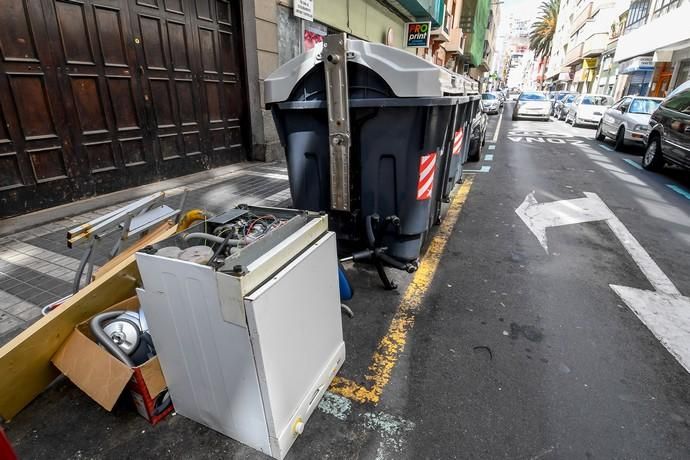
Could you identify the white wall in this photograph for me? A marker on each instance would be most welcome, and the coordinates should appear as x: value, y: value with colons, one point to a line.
x: 658, y: 33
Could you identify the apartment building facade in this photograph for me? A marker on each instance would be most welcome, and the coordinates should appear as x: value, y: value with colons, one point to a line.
x: 516, y: 52
x: 589, y: 37
x: 653, y: 51
x: 558, y: 76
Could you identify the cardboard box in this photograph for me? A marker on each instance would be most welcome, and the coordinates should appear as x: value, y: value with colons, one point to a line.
x: 104, y: 377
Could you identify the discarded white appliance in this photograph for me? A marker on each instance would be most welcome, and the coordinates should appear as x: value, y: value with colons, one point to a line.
x: 249, y: 340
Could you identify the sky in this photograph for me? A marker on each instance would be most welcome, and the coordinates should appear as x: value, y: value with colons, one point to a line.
x: 520, y: 8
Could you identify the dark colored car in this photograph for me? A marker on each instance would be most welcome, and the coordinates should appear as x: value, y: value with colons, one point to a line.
x: 668, y: 138
x: 560, y: 108
x: 556, y: 98
x: 477, y: 136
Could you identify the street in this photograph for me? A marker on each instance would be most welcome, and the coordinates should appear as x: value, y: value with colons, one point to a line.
x: 511, y: 341
x: 335, y: 229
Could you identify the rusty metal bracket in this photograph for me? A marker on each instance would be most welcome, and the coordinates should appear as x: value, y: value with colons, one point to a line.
x: 334, y: 57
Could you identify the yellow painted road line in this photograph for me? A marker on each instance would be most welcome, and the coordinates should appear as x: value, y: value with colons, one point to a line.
x: 393, y: 343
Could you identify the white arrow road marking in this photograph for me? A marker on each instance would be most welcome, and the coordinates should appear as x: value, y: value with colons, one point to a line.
x: 539, y: 216
x: 666, y: 315
x: 665, y: 311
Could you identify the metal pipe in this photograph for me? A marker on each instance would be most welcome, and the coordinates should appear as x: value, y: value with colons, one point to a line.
x: 76, y: 284
x: 209, y: 237
x: 97, y: 331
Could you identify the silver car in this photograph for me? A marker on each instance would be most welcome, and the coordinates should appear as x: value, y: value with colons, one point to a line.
x: 627, y: 121
x: 490, y: 103
x: 532, y: 104
x: 588, y: 109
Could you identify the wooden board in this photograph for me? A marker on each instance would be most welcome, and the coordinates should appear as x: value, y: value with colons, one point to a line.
x: 25, y: 367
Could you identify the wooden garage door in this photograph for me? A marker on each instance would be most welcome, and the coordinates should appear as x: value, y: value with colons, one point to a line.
x: 101, y: 95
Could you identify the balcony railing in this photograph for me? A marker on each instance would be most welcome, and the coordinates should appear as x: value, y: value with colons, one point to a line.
x: 637, y: 14
x: 454, y: 44
x: 442, y: 33
x: 582, y: 16
x: 574, y: 55
x: 664, y: 6
x: 595, y: 45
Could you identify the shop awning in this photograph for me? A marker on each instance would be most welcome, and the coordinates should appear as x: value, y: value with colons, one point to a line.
x: 638, y: 64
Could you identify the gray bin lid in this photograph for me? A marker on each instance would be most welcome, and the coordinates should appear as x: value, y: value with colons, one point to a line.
x: 406, y: 74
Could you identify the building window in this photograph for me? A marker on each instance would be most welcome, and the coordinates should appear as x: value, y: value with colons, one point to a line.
x: 637, y: 14
x: 664, y: 6
x: 683, y: 73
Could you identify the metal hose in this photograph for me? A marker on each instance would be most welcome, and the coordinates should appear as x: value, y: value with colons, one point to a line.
x: 209, y: 237
x: 97, y: 331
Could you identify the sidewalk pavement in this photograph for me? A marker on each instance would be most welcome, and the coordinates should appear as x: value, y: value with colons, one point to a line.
x: 37, y: 267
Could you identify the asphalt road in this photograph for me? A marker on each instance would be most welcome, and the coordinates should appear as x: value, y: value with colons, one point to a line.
x: 514, y: 353
x: 523, y: 354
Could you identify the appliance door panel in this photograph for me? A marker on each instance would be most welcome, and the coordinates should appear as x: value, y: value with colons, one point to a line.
x: 296, y: 332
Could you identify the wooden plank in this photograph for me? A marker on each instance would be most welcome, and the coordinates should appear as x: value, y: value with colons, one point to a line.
x: 25, y: 367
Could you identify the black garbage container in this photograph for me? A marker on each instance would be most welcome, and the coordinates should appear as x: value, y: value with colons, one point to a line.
x: 473, y: 109
x: 400, y: 123
x: 456, y: 146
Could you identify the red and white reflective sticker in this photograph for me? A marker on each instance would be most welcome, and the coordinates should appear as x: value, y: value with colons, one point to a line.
x: 457, y: 141
x: 427, y: 168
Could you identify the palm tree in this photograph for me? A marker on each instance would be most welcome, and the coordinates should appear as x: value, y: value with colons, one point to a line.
x: 541, y: 35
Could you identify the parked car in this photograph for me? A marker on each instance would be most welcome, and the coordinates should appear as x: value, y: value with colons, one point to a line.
x: 557, y: 101
x: 532, y: 104
x: 501, y: 97
x: 627, y: 120
x: 490, y: 103
x: 668, y: 138
x: 477, y: 135
x: 562, y: 106
x: 587, y: 109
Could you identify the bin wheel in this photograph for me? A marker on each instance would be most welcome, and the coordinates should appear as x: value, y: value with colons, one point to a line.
x: 475, y: 151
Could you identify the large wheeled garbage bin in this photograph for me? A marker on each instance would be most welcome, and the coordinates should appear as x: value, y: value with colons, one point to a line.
x: 455, y: 142
x: 458, y: 141
x: 471, y: 89
x: 364, y: 128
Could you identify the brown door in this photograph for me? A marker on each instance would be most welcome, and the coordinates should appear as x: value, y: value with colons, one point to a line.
x: 188, y: 52
x: 115, y: 93
x: 216, y: 28
x: 96, y: 70
x: 37, y: 166
x: 662, y: 81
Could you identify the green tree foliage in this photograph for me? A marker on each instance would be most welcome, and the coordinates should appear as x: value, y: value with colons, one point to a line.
x: 543, y: 29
